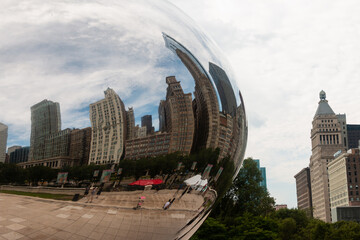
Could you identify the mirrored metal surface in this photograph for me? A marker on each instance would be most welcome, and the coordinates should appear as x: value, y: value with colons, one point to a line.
x: 134, y: 86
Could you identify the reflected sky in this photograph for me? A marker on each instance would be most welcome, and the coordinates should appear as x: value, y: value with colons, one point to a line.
x: 71, y: 52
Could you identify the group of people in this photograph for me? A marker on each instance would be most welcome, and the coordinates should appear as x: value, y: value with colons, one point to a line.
x: 92, y: 190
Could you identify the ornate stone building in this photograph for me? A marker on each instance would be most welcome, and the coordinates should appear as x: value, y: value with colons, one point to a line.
x: 328, y: 136
x: 108, y: 122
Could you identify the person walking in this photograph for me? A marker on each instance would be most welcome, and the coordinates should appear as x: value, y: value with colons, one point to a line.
x: 93, y: 192
x: 87, y: 189
x: 99, y: 192
x: 167, y: 204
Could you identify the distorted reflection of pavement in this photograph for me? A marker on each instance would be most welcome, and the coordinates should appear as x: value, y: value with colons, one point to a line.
x: 111, y: 216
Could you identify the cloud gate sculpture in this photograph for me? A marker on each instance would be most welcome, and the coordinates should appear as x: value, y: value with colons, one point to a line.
x: 156, y: 97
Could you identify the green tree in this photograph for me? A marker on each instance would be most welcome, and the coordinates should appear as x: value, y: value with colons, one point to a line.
x: 245, y: 194
x: 212, y: 229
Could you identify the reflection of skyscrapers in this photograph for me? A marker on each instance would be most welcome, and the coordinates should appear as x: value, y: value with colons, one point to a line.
x: 45, y: 120
x: 108, y: 121
x: 176, y: 126
x: 146, y: 121
x: 206, y: 106
x: 225, y: 135
x: 12, y: 149
x: 3, y: 141
x: 179, y: 118
x: 224, y: 88
x: 19, y: 155
x: 80, y: 145
x: 130, y: 123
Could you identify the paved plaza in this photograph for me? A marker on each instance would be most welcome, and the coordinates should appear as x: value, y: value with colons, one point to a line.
x: 111, y: 216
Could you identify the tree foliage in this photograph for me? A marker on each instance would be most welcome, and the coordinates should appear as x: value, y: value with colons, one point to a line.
x: 246, y: 212
x: 245, y: 195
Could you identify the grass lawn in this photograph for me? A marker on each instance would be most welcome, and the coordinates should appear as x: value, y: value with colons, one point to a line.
x: 40, y: 195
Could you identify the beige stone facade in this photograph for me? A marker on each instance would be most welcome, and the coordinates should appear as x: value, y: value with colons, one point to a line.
x: 343, y: 179
x: 338, y: 184
x: 108, y: 122
x: 326, y: 139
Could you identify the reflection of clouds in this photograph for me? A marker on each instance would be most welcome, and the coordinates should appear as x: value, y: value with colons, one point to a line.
x: 70, y: 52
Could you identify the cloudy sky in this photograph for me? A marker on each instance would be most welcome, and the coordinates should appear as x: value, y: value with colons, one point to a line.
x: 283, y: 53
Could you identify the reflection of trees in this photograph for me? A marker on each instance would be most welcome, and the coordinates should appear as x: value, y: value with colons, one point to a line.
x: 167, y: 164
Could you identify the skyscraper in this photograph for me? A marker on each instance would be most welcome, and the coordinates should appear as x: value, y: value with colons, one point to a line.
x: 179, y: 117
x: 146, y: 121
x: 224, y: 88
x: 263, y: 173
x: 3, y: 141
x: 45, y: 120
x: 108, y: 122
x: 19, y: 155
x: 303, y: 190
x: 328, y: 135
x: 205, y: 105
x: 353, y: 135
x: 130, y: 123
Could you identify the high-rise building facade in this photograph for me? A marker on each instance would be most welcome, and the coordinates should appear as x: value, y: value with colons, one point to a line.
x: 3, y: 141
x: 108, y: 122
x: 328, y: 135
x: 179, y: 117
x: 303, y: 190
x: 79, y: 148
x: 205, y: 104
x: 146, y: 121
x: 263, y: 173
x: 343, y: 174
x: 12, y: 149
x: 226, y: 129
x: 45, y: 120
x: 226, y: 92
x: 353, y: 135
x: 130, y: 123
x: 19, y: 155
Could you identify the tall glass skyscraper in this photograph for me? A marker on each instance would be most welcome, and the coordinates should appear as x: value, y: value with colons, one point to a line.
x: 45, y: 120
x: 263, y: 173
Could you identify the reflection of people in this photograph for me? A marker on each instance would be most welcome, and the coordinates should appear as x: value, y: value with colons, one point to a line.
x: 87, y: 189
x: 99, y: 192
x: 93, y: 191
x: 139, y: 203
x: 167, y: 204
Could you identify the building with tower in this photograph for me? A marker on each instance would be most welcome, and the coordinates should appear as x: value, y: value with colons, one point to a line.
x: 3, y: 141
x: 45, y: 120
x: 328, y: 136
x: 108, y: 123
